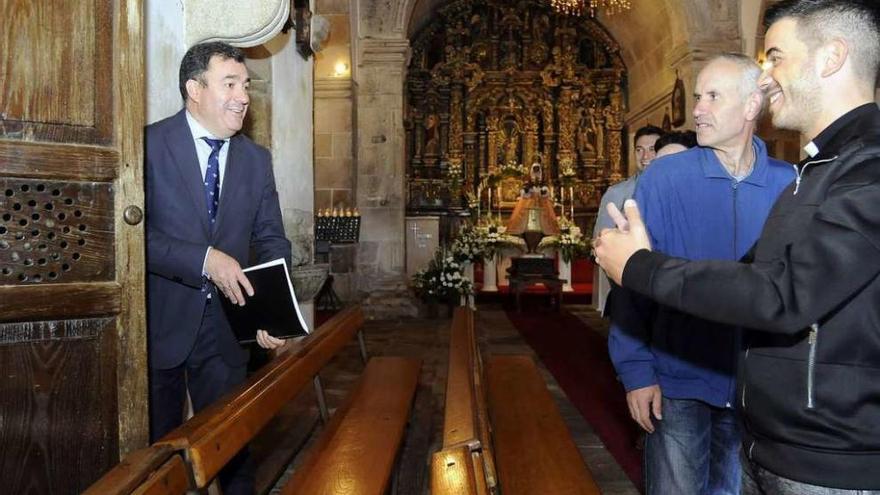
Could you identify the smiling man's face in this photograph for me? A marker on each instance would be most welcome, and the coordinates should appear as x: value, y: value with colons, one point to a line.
x: 219, y: 100
x: 789, y: 82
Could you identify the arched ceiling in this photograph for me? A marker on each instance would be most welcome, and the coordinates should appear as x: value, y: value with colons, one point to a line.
x: 422, y: 11
x: 650, y: 23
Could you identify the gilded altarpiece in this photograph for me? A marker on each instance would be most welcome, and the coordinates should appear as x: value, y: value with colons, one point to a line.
x: 499, y: 83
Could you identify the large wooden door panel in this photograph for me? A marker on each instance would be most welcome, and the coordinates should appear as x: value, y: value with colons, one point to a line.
x: 56, y: 67
x: 58, y: 380
x: 72, y: 325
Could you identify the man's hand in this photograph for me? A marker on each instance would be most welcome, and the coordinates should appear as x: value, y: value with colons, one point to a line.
x: 226, y: 274
x: 642, y: 402
x: 614, y: 247
x: 267, y: 341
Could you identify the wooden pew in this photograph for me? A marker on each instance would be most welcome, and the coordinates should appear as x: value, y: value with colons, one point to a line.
x: 456, y: 470
x: 358, y: 446
x: 356, y: 452
x: 516, y: 428
x: 467, y: 443
x: 533, y: 447
x: 216, y: 434
x: 154, y: 470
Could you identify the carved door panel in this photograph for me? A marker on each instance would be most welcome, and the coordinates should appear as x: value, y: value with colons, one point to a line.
x: 72, y: 331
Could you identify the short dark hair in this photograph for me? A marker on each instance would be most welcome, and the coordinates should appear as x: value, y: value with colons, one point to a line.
x: 197, y: 58
x: 648, y: 130
x: 856, y: 21
x: 688, y: 139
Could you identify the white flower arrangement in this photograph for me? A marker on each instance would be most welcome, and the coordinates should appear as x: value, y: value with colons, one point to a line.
x: 570, y: 243
x: 496, y: 239
x: 469, y: 246
x: 454, y: 168
x: 442, y: 279
x: 512, y: 169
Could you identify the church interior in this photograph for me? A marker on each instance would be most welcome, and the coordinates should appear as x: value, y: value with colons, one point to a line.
x: 439, y: 165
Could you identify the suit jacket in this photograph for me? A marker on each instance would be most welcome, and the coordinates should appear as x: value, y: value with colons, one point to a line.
x: 179, y: 233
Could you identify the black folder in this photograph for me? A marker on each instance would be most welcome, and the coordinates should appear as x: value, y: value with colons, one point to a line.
x: 272, y: 308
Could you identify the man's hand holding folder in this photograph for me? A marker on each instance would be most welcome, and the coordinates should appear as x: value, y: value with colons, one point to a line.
x: 266, y: 312
x: 229, y: 278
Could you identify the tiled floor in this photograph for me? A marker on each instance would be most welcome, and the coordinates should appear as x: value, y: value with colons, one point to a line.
x: 429, y: 340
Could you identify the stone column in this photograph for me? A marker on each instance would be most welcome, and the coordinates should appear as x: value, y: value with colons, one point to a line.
x: 380, y: 162
x: 292, y: 148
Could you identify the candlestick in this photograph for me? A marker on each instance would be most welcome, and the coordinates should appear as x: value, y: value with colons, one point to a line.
x: 562, y: 201
x: 489, y: 209
x: 571, y: 196
x: 479, y: 200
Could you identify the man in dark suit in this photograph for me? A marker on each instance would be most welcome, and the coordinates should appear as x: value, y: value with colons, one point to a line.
x: 211, y: 201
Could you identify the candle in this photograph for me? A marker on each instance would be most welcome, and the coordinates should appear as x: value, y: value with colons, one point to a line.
x: 490, y: 204
x: 571, y: 197
x: 562, y: 201
x: 479, y: 200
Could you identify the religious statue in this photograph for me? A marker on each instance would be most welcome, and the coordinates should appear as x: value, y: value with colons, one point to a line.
x: 614, y: 111
x: 432, y: 136
x: 586, y: 134
x: 509, y: 139
x: 536, y: 172
x: 534, y: 206
x: 598, y: 130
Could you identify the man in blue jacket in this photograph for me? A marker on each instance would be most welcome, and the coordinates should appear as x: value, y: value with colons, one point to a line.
x: 809, y: 386
x: 707, y: 202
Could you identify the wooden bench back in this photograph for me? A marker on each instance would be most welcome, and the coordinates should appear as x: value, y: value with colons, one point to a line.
x: 460, y: 414
x: 213, y: 436
x: 458, y: 471
x: 154, y: 470
x: 466, y: 417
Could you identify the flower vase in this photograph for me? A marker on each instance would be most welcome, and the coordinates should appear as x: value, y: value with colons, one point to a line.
x: 490, y: 276
x: 565, y: 274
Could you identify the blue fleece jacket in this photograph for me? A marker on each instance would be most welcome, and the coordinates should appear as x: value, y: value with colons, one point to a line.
x: 693, y: 209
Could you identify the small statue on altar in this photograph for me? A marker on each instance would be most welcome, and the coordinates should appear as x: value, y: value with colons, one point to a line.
x: 534, y: 197
x: 535, y: 187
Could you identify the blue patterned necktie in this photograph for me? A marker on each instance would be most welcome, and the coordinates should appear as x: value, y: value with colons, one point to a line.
x: 212, y: 177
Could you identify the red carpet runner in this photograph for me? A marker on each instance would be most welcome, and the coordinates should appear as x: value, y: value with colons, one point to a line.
x: 578, y: 358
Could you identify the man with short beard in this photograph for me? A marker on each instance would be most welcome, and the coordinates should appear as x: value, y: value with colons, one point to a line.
x: 809, y: 290
x: 643, y: 145
x: 710, y: 201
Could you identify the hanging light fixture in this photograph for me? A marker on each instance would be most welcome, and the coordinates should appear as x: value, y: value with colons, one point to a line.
x: 581, y: 7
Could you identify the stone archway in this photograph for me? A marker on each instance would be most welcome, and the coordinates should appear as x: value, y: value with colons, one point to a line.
x: 657, y: 39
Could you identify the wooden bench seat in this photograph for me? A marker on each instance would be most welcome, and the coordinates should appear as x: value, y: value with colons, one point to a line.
x: 154, y: 470
x: 216, y: 434
x: 534, y: 450
x: 356, y: 452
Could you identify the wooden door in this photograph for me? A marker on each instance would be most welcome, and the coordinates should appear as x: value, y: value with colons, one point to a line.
x: 73, y: 391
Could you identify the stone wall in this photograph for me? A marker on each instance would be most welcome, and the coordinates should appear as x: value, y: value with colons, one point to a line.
x: 165, y: 47
x: 334, y: 157
x: 662, y: 39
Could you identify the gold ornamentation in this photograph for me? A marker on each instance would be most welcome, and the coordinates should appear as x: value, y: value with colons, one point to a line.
x: 581, y: 7
x: 493, y: 82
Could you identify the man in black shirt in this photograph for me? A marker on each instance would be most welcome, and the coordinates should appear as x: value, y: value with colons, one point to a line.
x: 809, y: 290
